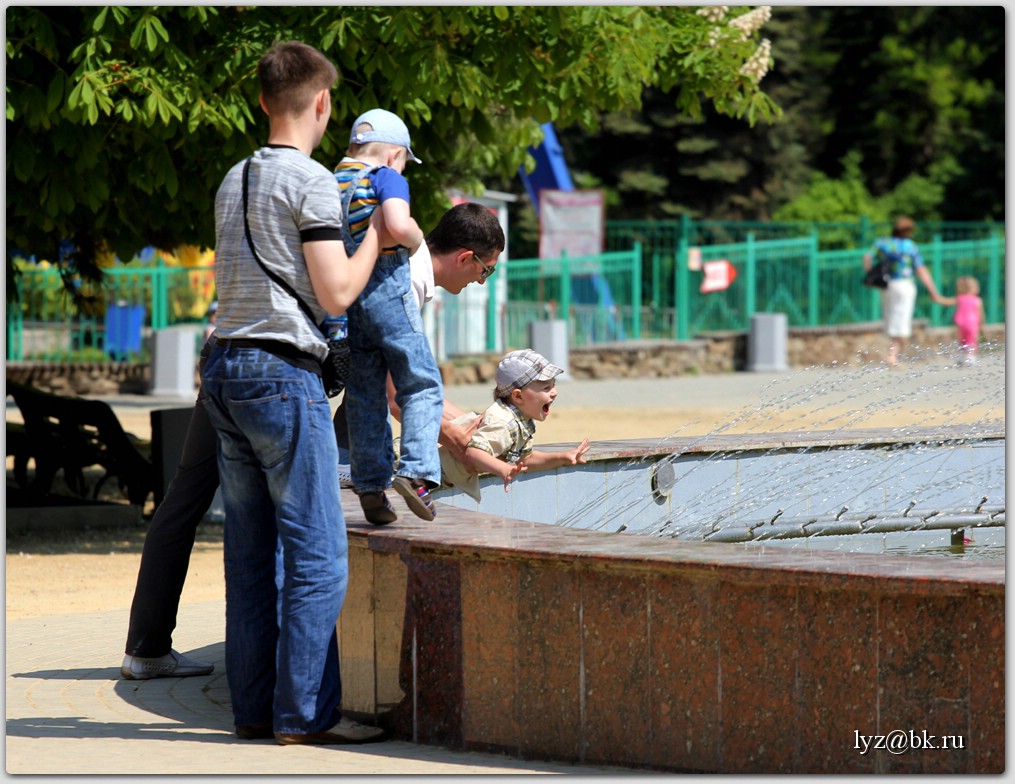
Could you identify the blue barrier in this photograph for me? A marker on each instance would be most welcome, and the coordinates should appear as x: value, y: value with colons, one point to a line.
x: 123, y: 330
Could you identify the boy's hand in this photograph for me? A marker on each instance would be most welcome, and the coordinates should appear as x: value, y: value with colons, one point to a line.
x: 513, y: 470
x: 376, y: 223
x: 578, y: 455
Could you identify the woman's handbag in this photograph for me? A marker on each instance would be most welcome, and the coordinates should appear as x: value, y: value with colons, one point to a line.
x: 877, y: 276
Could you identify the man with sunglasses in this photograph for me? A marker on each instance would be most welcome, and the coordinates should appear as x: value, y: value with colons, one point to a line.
x: 463, y: 248
x: 488, y: 270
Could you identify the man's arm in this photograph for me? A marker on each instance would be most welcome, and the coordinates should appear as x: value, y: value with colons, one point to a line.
x: 453, y: 437
x: 456, y: 438
x: 337, y: 278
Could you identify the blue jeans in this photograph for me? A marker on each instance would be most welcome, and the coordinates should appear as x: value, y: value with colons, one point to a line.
x: 277, y: 458
x: 386, y: 336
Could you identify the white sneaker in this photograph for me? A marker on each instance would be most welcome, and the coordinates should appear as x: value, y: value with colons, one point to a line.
x: 345, y: 475
x: 172, y: 665
x: 346, y: 731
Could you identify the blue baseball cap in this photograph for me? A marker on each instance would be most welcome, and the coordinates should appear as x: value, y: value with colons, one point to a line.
x: 387, y: 127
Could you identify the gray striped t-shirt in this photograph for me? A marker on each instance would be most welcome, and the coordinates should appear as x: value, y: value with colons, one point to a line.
x: 292, y: 199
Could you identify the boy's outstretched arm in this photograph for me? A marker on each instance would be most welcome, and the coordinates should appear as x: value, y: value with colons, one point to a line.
x: 484, y: 461
x: 538, y: 461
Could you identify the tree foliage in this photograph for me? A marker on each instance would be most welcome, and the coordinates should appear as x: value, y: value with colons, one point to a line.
x: 919, y: 89
x: 903, y: 102
x: 122, y: 120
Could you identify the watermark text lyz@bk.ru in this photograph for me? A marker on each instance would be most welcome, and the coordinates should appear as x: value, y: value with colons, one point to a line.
x: 901, y: 741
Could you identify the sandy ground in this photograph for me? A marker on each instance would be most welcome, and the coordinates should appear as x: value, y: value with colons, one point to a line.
x: 88, y: 571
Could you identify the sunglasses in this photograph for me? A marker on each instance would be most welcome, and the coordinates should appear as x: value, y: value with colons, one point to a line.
x: 487, y: 269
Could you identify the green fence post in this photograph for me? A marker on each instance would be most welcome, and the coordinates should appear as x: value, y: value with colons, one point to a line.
x: 813, y: 280
x: 681, y: 294
x: 994, y: 293
x: 15, y: 331
x: 636, y: 292
x: 491, y: 313
x: 160, y: 296
x: 656, y: 278
x: 936, y: 313
x: 565, y: 287
x: 751, y: 278
x: 873, y: 295
x: 685, y: 230
x: 865, y: 228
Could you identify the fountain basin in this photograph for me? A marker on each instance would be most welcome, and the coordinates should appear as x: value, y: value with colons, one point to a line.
x: 812, y: 485
x: 486, y: 632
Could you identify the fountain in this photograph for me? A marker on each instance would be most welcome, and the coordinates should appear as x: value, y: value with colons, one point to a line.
x: 705, y: 603
x: 831, y: 483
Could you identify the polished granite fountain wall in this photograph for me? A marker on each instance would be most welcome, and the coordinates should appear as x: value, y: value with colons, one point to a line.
x: 484, y: 632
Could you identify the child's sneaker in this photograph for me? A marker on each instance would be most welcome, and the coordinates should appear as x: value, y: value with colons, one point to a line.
x: 377, y: 508
x: 344, y: 476
x: 416, y: 495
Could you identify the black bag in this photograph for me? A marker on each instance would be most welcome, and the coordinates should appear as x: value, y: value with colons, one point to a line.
x: 877, y: 276
x: 335, y: 368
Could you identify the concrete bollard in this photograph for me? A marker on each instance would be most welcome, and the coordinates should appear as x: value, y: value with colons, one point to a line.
x: 766, y: 343
x: 174, y: 358
x: 549, y: 338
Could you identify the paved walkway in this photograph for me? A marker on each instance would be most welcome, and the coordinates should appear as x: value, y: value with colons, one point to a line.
x: 68, y: 712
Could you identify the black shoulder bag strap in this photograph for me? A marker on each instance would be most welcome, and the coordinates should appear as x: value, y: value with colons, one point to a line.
x: 347, y: 196
x: 279, y: 280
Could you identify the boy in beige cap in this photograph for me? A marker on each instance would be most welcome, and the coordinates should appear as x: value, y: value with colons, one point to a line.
x: 502, y: 445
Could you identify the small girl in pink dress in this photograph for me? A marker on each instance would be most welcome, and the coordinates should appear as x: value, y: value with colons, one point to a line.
x: 968, y: 317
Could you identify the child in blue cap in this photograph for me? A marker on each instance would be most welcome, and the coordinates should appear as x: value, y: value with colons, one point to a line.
x: 386, y: 338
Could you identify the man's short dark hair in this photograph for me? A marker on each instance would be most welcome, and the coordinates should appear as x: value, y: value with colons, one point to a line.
x: 290, y: 74
x: 469, y: 225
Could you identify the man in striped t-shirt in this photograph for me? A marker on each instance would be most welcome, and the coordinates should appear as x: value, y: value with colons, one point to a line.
x: 280, y: 269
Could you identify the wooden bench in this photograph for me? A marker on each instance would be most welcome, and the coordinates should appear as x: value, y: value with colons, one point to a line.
x: 72, y: 434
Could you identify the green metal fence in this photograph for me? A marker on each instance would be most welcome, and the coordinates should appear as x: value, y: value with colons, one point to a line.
x: 604, y: 297
x: 663, y: 241
x: 44, y: 325
x: 666, y: 236
x: 600, y: 295
x: 824, y: 287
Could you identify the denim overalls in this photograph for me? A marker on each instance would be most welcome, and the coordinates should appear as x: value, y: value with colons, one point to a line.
x: 386, y: 336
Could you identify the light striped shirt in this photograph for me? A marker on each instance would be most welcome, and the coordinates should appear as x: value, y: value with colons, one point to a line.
x: 292, y: 199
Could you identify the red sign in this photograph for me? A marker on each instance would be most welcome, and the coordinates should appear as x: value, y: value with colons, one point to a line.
x: 718, y: 275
